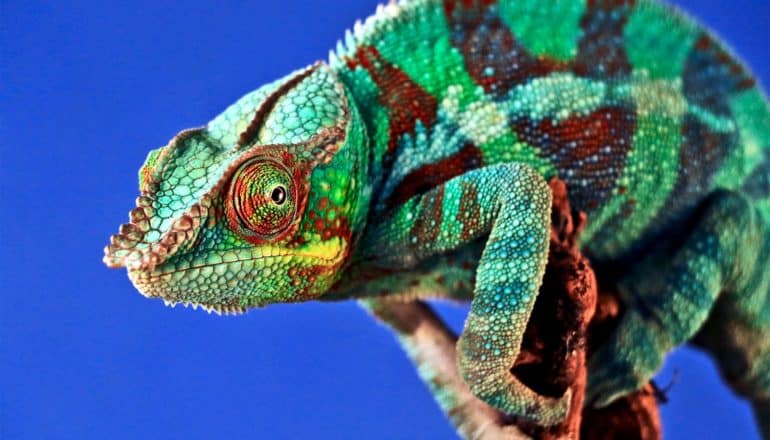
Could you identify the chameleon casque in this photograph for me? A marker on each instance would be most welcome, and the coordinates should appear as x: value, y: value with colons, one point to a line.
x: 414, y: 164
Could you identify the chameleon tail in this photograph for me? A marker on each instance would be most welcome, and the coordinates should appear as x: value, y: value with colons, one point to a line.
x: 736, y: 333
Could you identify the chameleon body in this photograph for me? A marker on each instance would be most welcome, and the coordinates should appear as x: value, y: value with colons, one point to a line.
x: 414, y: 164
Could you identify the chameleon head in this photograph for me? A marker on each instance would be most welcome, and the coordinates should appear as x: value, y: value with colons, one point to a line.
x: 257, y: 207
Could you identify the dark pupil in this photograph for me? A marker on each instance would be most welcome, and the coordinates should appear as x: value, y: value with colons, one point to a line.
x: 278, y: 195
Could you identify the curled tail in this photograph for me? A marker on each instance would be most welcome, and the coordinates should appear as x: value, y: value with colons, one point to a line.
x: 737, y: 332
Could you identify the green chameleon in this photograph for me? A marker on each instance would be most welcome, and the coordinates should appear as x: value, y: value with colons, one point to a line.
x: 414, y: 164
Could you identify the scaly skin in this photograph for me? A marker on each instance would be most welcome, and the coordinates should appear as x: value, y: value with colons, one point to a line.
x: 414, y: 164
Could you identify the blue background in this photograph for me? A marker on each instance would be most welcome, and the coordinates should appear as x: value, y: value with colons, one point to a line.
x: 87, y: 89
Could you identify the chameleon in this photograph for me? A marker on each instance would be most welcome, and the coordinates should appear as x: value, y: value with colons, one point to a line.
x: 413, y: 164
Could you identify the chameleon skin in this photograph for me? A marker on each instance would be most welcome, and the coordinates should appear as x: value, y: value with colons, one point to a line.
x: 414, y: 163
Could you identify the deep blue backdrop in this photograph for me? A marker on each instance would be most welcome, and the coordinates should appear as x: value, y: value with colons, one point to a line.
x: 86, y: 90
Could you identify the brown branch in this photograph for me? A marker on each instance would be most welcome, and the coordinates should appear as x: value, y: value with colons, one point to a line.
x: 553, y: 353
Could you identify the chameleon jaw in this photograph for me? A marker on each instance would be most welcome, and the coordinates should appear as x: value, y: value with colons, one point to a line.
x: 233, y: 281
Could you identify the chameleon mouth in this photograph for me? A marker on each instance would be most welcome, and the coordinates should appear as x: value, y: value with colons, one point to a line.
x: 230, y: 282
x: 140, y: 244
x: 218, y: 309
x: 203, y: 286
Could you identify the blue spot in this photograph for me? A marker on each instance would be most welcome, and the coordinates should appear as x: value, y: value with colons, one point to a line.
x: 530, y: 239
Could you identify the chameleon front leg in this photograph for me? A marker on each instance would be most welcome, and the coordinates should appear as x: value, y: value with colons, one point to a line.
x: 511, y: 204
x: 671, y: 295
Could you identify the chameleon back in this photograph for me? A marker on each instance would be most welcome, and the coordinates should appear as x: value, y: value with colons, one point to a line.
x: 639, y: 109
x: 661, y: 135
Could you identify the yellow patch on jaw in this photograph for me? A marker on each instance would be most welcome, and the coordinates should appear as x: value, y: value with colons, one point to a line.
x: 329, y: 252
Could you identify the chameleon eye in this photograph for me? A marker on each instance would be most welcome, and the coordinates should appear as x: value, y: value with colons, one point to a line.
x: 261, y: 199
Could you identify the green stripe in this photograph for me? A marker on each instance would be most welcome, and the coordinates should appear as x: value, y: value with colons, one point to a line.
x: 650, y: 171
x: 546, y: 28
x: 659, y: 39
x: 421, y: 47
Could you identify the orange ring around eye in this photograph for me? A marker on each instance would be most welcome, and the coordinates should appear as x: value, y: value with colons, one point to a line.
x: 250, y: 205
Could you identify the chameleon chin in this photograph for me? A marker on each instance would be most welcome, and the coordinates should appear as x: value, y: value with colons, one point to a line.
x: 431, y: 131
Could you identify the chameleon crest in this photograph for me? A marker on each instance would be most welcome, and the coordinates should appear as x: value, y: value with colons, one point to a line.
x: 226, y: 218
